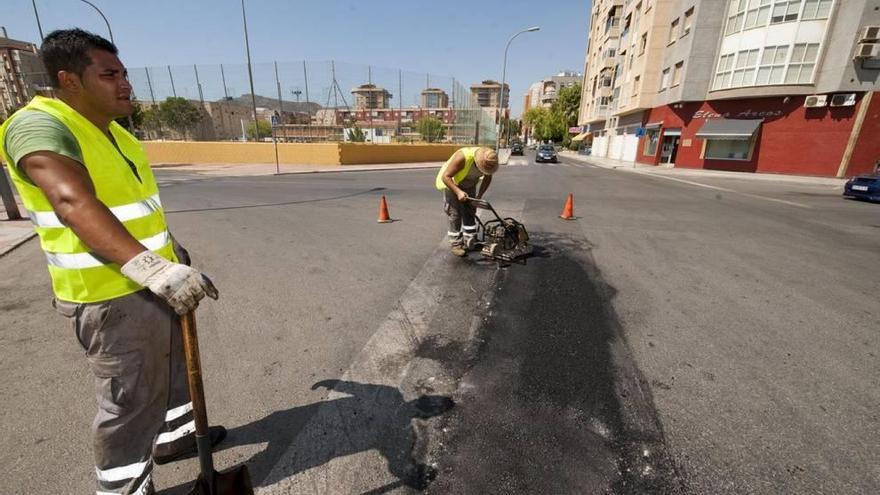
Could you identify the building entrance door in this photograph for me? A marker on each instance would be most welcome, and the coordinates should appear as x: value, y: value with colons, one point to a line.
x: 669, y: 148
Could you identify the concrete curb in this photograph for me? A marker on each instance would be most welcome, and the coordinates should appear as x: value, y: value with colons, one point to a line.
x: 706, y: 174
x: 16, y: 243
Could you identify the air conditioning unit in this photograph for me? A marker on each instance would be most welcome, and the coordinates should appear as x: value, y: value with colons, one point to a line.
x: 816, y: 101
x: 843, y: 100
x: 868, y: 50
x: 870, y: 34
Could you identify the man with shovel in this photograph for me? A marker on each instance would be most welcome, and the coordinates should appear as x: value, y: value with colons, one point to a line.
x: 458, y: 179
x: 116, y: 271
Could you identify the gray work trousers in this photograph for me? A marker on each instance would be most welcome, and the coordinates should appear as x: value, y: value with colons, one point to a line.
x: 134, y: 348
x: 462, y: 218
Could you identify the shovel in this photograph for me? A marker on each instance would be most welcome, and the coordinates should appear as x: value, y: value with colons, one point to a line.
x: 235, y: 480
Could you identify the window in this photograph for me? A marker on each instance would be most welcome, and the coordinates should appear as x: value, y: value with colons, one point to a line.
x: 673, y: 31
x: 757, y: 13
x: 664, y: 79
x: 817, y: 9
x: 636, y: 82
x: 785, y: 11
x: 643, y: 44
x: 688, y: 20
x: 803, y: 61
x: 735, y: 16
x: 652, y: 138
x: 631, y: 57
x: 722, y: 75
x: 728, y: 149
x: 744, y: 70
x: 772, y: 65
x: 676, y: 73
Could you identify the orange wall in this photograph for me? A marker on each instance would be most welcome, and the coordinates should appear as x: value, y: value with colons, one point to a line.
x: 187, y: 152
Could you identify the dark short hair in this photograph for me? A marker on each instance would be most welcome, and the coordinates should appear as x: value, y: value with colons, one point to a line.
x: 67, y: 49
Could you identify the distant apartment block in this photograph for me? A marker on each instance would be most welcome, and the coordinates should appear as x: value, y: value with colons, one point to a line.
x: 746, y: 85
x: 371, y: 96
x: 434, y: 98
x: 486, y: 94
x: 22, y: 75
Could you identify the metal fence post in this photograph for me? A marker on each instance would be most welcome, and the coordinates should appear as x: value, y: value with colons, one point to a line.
x: 9, y: 203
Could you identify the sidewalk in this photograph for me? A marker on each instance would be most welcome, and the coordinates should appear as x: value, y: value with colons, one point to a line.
x: 697, y: 172
x: 14, y: 233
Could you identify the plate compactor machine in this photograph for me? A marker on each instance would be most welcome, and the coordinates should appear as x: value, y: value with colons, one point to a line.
x: 501, y: 239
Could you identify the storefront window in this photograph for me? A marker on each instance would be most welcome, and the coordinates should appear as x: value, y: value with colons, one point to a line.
x: 652, y: 138
x: 728, y: 149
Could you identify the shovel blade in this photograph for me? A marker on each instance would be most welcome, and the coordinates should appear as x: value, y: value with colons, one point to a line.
x: 233, y: 481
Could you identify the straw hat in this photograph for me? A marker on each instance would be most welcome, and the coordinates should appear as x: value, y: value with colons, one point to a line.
x: 487, y: 160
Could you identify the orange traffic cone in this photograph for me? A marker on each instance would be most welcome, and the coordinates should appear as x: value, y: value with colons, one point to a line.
x: 568, y: 211
x: 383, y: 211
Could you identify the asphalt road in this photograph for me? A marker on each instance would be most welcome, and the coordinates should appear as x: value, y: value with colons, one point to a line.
x: 695, y: 335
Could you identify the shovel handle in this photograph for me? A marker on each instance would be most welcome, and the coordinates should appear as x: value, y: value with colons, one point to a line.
x: 197, y: 393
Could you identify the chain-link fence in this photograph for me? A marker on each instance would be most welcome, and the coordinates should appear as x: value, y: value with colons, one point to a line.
x: 306, y: 102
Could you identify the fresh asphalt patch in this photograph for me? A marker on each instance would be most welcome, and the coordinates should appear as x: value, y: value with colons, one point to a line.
x: 553, y: 401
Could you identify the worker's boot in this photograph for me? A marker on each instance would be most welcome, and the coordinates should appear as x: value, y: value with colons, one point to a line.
x: 459, y: 250
x: 185, y: 447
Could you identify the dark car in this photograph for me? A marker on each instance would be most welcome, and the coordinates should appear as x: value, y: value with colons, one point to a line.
x: 546, y: 153
x: 863, y: 187
x: 516, y: 149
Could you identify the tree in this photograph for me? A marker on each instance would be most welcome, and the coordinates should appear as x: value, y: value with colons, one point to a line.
x: 568, y: 104
x: 136, y: 118
x: 510, y: 129
x: 537, y: 118
x: 356, y: 134
x: 431, y: 129
x: 151, y: 120
x: 180, y: 114
x: 261, y: 130
x: 566, y: 108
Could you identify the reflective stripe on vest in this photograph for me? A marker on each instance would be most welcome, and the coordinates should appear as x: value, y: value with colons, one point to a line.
x: 79, y: 275
x: 469, y: 154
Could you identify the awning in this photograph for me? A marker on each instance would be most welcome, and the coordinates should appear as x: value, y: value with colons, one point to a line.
x: 672, y: 131
x: 582, y: 136
x: 654, y: 125
x: 729, y: 129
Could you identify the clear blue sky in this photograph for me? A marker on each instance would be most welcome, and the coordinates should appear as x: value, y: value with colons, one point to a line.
x: 462, y: 39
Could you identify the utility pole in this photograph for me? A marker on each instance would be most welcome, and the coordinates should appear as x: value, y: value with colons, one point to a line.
x: 308, y: 106
x: 199, y: 85
x: 223, y: 77
x: 37, y: 15
x: 170, y: 76
x: 250, y: 67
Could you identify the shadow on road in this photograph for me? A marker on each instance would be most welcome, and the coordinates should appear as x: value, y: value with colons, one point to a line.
x: 284, y: 203
x: 373, y: 417
x: 558, y: 404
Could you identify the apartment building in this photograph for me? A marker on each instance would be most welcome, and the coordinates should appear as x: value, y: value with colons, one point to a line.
x: 371, y: 96
x: 782, y: 86
x: 434, y: 98
x: 485, y: 94
x: 22, y: 75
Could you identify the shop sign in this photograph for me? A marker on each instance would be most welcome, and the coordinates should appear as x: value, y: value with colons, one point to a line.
x: 747, y: 114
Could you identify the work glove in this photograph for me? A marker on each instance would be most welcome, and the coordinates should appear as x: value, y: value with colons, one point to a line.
x: 182, y: 287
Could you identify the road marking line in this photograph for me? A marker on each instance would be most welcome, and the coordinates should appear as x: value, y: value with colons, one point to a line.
x: 724, y: 189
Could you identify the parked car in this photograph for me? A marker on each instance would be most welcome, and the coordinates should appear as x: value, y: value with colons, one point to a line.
x: 516, y: 149
x: 863, y: 187
x: 546, y: 153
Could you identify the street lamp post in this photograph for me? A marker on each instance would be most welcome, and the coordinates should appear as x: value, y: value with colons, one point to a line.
x: 102, y: 17
x: 503, y: 78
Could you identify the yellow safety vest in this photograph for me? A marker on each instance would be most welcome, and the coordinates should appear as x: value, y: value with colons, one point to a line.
x: 469, y: 154
x: 77, y: 274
